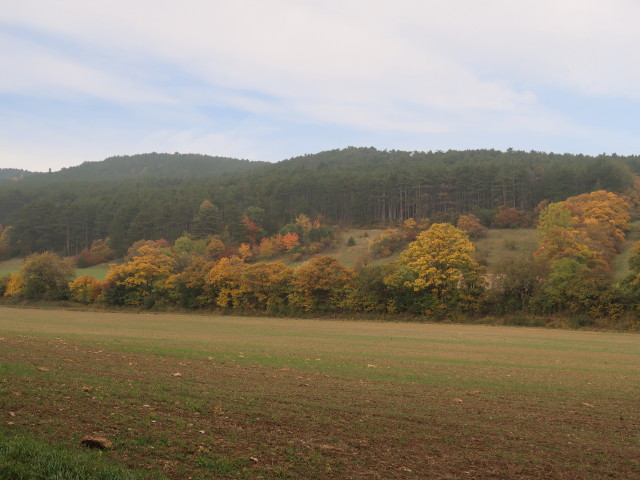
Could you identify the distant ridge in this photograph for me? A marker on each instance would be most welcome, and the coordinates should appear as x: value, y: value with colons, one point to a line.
x: 155, y: 165
x: 13, y: 173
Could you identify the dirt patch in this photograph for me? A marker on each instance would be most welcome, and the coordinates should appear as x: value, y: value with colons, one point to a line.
x: 231, y: 419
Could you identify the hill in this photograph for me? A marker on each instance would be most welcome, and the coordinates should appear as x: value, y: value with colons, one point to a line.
x: 156, y: 196
x: 13, y: 174
x: 144, y: 166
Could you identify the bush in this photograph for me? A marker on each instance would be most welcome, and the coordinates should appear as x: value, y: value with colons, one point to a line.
x: 46, y: 276
x: 85, y: 289
x: 4, y: 280
x: 387, y: 242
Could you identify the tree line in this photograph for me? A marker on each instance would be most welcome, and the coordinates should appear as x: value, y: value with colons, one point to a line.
x: 437, y: 275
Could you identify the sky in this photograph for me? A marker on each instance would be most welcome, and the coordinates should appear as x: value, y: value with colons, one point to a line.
x: 273, y: 79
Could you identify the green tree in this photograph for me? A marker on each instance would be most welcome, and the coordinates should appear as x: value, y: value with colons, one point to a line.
x: 207, y: 221
x: 46, y: 276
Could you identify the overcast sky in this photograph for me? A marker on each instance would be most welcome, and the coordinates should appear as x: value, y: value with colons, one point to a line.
x: 272, y: 79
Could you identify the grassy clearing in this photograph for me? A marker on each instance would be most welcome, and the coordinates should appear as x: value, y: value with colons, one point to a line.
x: 500, y: 245
x: 10, y: 266
x: 349, y: 255
x: 621, y: 262
x: 285, y: 398
x: 97, y: 271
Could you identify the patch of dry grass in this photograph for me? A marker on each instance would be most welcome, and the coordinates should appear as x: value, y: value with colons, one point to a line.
x: 500, y: 245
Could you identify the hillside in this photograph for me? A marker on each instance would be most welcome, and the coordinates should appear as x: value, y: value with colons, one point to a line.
x: 148, y: 166
x: 156, y: 196
x: 13, y: 174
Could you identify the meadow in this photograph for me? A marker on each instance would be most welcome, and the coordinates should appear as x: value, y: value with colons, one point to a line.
x: 188, y: 396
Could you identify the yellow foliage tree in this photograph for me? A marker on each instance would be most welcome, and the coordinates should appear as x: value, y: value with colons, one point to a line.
x: 85, y: 289
x: 439, y: 264
x: 142, y: 280
x: 266, y: 286
x: 222, y: 283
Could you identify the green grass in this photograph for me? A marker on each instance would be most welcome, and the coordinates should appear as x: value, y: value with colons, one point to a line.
x: 26, y: 458
x: 621, y: 262
x: 98, y: 272
x: 10, y: 266
x: 323, y: 399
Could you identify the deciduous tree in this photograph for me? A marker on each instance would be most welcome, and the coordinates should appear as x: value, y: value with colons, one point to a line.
x: 439, y: 264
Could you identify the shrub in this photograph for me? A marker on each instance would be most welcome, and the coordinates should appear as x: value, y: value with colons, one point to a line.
x: 85, y: 289
x: 46, y: 276
x: 387, y: 242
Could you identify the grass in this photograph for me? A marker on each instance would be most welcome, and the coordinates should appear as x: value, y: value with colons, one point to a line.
x: 10, y: 266
x: 26, y: 458
x: 348, y: 256
x: 98, y: 272
x: 621, y: 262
x: 501, y: 245
x: 286, y: 398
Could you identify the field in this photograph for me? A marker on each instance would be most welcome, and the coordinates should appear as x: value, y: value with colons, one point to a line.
x: 97, y: 271
x: 186, y: 396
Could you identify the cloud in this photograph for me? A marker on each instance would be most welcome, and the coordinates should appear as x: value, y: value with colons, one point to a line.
x: 218, y: 69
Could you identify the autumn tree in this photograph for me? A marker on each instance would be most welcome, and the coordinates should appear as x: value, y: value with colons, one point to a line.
x: 222, y: 283
x: 266, y: 286
x: 439, y: 266
x: 321, y: 285
x: 85, y: 289
x: 387, y: 242
x: 471, y: 225
x: 45, y: 276
x: 99, y: 252
x: 603, y: 217
x: 141, y: 280
x: 187, y: 286
x: 253, y: 220
x: 559, y: 237
x: 509, y: 217
x: 215, y: 248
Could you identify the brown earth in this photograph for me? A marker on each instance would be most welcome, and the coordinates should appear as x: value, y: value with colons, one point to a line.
x: 233, y: 419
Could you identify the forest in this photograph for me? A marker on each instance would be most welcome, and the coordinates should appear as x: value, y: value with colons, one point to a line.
x: 157, y: 196
x: 198, y: 232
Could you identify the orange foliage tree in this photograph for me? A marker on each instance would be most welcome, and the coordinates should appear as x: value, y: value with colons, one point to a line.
x: 509, y: 217
x: 321, y: 285
x: 471, y: 225
x: 266, y: 286
x: 141, y: 280
x: 85, y: 289
x: 222, y: 283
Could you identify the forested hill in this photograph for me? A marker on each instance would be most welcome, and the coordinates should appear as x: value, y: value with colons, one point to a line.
x: 149, y: 165
x: 13, y: 173
x: 157, y: 195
